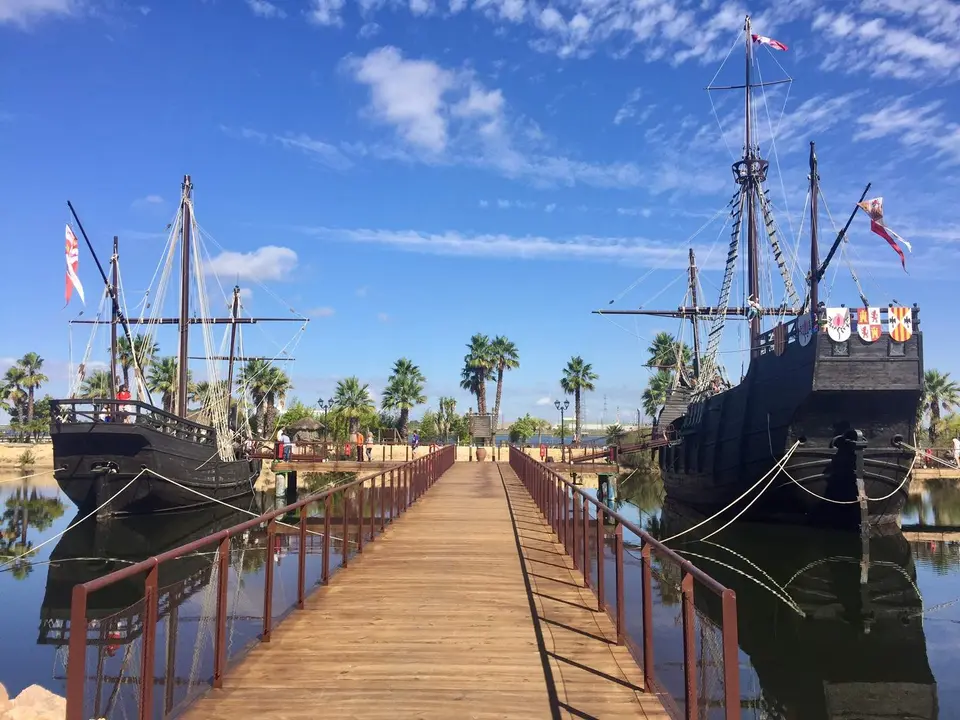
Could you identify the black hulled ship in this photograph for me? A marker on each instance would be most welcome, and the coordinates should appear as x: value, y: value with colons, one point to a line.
x: 176, y: 459
x: 839, y: 387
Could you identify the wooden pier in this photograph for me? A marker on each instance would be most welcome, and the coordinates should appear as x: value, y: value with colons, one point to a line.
x: 452, y: 614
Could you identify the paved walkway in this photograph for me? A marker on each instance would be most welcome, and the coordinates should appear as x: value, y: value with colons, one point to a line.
x: 436, y: 620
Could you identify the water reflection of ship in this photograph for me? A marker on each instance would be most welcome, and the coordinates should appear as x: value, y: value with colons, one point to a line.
x: 846, y: 640
x: 92, y: 550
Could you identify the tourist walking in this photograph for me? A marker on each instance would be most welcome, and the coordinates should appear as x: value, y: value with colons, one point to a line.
x: 287, y: 446
x: 415, y: 442
x: 369, y: 445
x: 358, y: 439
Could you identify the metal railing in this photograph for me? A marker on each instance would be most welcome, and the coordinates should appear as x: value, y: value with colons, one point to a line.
x: 566, y: 508
x: 94, y: 411
x: 407, y: 483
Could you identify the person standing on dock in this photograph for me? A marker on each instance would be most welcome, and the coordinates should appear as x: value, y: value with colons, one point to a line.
x: 358, y: 439
x: 415, y: 442
x: 369, y: 445
x: 956, y: 451
x: 287, y: 446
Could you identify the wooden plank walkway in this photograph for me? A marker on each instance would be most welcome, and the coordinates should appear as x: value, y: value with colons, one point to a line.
x: 436, y: 620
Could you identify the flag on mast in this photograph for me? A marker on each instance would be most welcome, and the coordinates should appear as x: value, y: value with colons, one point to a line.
x: 73, y: 263
x: 769, y: 42
x: 874, y: 208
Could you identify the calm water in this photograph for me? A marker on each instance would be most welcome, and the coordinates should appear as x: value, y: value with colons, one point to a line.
x: 816, y: 642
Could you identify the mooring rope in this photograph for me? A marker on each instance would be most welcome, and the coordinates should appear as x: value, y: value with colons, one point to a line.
x: 889, y: 495
x: 84, y: 518
x: 21, y: 478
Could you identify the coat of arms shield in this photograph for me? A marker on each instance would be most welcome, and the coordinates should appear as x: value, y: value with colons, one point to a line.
x: 838, y: 324
x: 869, y: 327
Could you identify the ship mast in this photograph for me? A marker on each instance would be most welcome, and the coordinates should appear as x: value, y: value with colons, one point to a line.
x: 693, y: 318
x: 234, y: 314
x: 814, y: 230
x: 114, y: 308
x: 750, y: 172
x: 182, y: 369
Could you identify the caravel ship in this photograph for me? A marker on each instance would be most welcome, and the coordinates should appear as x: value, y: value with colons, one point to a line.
x: 834, y: 390
x: 125, y: 456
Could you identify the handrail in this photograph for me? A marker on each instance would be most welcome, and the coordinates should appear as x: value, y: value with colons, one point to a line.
x: 408, y: 482
x: 566, y: 507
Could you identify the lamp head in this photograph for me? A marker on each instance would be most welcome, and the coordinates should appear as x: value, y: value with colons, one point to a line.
x: 556, y: 404
x: 566, y: 404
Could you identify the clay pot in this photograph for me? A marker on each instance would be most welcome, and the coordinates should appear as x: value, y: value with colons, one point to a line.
x: 481, y: 454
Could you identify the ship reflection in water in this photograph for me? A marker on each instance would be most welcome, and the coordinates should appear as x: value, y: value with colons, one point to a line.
x: 832, y: 623
x: 114, y: 614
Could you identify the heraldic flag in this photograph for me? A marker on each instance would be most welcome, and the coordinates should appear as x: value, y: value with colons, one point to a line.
x: 73, y: 263
x: 874, y: 208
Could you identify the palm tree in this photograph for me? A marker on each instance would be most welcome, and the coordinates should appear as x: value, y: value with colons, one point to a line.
x: 663, y: 352
x: 164, y: 379
x: 446, y: 415
x: 96, y: 385
x: 404, y: 391
x: 207, y: 393
x: 578, y: 377
x: 655, y: 395
x: 353, y: 400
x: 254, y: 379
x: 477, y: 365
x: 33, y: 378
x: 939, y: 391
x: 14, y: 396
x: 146, y: 350
x: 505, y: 357
x: 278, y: 384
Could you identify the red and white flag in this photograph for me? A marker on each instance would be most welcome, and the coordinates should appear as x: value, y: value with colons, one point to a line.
x: 874, y: 208
x: 73, y: 263
x: 764, y: 40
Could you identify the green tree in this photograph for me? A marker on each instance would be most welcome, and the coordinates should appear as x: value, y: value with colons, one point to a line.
x: 253, y: 380
x: 13, y: 396
x: 295, y: 412
x: 278, y: 384
x: 164, y: 379
x: 145, y: 348
x: 97, y: 385
x: 505, y: 357
x: 523, y: 429
x: 404, y: 391
x: 665, y: 350
x: 353, y: 400
x: 655, y: 395
x: 939, y: 392
x: 477, y: 365
x: 33, y: 378
x: 578, y: 378
x: 615, y: 434
x: 446, y: 416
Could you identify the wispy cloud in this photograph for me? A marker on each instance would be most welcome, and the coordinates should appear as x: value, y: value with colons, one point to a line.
x: 25, y: 12
x: 265, y: 263
x: 325, y: 12
x: 629, y: 107
x: 318, y: 150
x: 919, y: 127
x: 544, y: 400
x: 264, y: 9
x: 148, y: 201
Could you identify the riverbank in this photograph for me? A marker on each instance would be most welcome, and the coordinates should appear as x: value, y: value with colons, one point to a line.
x: 10, y: 454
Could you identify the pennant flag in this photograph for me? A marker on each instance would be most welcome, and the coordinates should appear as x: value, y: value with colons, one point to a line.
x: 874, y: 208
x: 73, y: 263
x: 769, y: 42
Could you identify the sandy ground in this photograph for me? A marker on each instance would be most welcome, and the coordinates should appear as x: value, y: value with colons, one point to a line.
x: 11, y: 452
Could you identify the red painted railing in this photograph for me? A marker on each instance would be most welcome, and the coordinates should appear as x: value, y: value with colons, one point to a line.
x: 406, y: 483
x: 567, y: 508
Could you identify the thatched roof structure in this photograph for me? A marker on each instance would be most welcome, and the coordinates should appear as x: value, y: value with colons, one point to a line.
x: 307, y: 424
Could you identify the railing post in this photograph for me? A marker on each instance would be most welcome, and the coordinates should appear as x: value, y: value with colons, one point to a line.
x: 573, y: 531
x: 601, y: 601
x: 689, y: 646
x: 268, y: 581
x: 360, y: 519
x: 148, y: 648
x: 646, y: 591
x: 383, y: 514
x: 373, y: 509
x: 220, y: 639
x: 327, y: 510
x: 731, y: 656
x: 302, y: 559
x: 345, y: 551
x: 77, y: 658
x: 585, y: 532
x: 618, y: 554
x: 394, y: 496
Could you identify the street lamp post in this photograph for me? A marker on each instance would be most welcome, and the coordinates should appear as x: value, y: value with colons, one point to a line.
x: 326, y: 430
x: 561, y: 406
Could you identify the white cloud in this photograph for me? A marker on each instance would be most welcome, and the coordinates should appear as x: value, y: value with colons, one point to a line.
x: 550, y: 207
x: 484, y: 203
x: 321, y: 312
x: 318, y: 150
x: 917, y: 127
x: 325, y: 12
x: 265, y: 9
x: 634, y: 212
x: 368, y: 30
x: 24, y: 12
x: 544, y: 400
x: 421, y: 7
x: 245, y: 293
x: 633, y: 250
x: 148, y: 201
x: 265, y: 263
x: 629, y: 107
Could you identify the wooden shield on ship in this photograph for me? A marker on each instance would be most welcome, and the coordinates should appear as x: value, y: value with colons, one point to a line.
x: 780, y: 339
x: 869, y: 327
x: 838, y: 324
x: 900, y: 323
x: 804, y: 329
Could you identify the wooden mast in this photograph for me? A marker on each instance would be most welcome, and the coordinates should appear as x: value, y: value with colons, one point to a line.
x: 693, y: 318
x: 114, y: 319
x: 182, y: 369
x: 750, y: 185
x: 814, y: 230
x: 234, y: 314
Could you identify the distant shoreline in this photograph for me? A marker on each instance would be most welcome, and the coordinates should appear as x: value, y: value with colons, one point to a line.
x: 10, y: 456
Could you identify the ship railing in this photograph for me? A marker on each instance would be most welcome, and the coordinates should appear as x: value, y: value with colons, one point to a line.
x: 581, y: 523
x: 102, y: 410
x: 766, y: 341
x: 366, y: 505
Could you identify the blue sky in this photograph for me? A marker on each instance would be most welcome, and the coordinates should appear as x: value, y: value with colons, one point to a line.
x: 409, y: 173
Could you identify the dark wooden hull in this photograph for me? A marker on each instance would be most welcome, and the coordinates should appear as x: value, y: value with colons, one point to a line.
x: 859, y: 650
x: 95, y: 461
x: 812, y: 394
